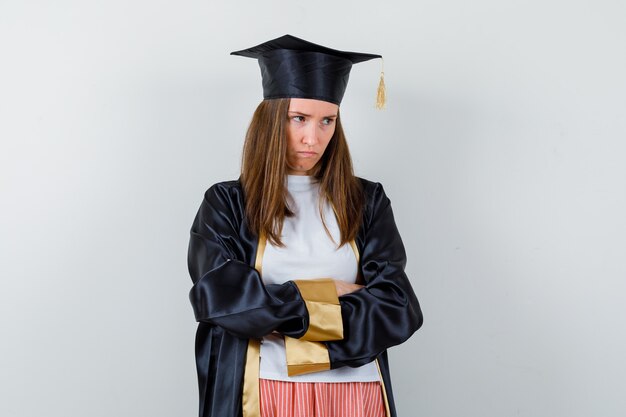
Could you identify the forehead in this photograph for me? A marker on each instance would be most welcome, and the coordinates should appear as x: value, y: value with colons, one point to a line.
x: 312, y: 106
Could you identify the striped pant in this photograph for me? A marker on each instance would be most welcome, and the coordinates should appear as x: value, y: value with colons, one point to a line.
x: 319, y: 399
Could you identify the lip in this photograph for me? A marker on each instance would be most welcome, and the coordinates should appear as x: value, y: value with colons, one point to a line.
x: 305, y: 153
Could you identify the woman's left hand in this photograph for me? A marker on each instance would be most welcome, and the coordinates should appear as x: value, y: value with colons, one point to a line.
x: 344, y: 288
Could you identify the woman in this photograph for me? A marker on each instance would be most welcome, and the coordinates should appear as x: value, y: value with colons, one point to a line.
x: 298, y: 267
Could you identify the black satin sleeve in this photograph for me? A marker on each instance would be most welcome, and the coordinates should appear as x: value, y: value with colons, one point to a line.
x: 386, y: 311
x: 227, y: 291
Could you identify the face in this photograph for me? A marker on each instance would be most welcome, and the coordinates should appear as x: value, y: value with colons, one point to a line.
x: 310, y: 126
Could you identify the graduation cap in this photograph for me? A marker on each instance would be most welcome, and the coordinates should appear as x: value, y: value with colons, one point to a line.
x: 292, y: 67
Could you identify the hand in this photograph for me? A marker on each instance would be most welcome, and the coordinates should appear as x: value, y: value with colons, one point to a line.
x: 344, y: 288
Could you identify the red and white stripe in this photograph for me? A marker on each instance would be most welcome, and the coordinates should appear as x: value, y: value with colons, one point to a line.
x: 320, y: 399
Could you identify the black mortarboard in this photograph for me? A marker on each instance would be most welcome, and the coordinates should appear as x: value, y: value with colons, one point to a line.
x: 292, y: 67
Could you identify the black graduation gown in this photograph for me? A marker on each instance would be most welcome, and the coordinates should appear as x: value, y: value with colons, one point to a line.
x: 232, y: 304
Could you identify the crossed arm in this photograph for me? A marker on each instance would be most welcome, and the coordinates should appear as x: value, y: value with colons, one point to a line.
x: 229, y: 293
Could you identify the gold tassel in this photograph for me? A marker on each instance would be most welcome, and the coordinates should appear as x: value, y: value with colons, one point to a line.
x: 381, y: 94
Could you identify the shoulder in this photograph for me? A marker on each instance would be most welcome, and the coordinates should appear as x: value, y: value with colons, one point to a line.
x: 223, y: 189
x: 373, y: 191
x: 225, y: 197
x: 222, y: 203
x: 226, y: 185
x: 377, y: 203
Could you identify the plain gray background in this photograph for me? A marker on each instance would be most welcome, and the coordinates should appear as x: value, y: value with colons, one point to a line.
x: 502, y: 150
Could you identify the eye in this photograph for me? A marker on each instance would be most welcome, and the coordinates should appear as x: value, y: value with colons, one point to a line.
x: 298, y: 119
x: 328, y: 121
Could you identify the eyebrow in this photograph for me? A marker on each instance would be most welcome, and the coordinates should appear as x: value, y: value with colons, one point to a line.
x: 331, y: 116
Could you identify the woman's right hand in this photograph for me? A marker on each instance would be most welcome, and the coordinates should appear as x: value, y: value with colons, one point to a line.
x: 344, y: 288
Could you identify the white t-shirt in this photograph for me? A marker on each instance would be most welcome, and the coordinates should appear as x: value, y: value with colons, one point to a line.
x: 308, y: 254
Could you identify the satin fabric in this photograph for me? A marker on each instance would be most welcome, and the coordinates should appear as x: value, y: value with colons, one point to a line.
x: 322, y: 305
x: 294, y: 67
x: 232, y: 304
x: 287, y: 73
x: 307, y: 354
x: 305, y: 357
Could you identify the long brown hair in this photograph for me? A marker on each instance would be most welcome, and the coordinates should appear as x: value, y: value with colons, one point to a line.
x: 264, y: 170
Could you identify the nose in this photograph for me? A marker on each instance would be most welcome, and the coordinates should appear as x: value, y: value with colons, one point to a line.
x: 309, y: 136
